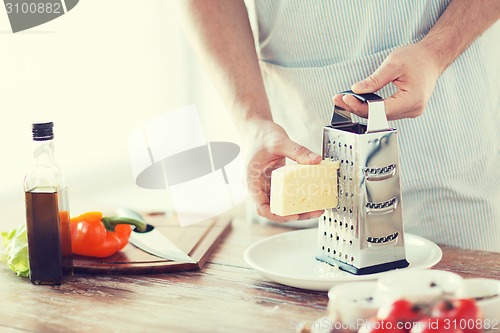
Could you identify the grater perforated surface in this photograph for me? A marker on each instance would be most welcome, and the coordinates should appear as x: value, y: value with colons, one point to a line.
x: 364, y: 233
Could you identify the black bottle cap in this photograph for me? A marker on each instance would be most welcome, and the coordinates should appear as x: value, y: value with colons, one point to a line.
x: 43, y: 131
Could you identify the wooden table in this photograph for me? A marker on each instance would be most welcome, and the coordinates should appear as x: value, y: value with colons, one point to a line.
x: 225, y: 296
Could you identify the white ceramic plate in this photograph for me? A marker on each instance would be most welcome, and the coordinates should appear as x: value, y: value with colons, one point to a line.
x: 289, y: 259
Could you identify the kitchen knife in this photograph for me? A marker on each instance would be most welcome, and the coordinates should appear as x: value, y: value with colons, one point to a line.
x: 152, y: 241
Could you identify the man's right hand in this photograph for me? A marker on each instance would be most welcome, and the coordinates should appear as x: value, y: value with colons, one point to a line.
x: 267, y: 144
x: 220, y: 31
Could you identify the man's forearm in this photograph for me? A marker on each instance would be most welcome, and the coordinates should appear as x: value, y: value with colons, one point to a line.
x: 460, y: 24
x: 220, y: 32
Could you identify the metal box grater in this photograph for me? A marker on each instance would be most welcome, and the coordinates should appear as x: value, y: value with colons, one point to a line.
x: 364, y: 233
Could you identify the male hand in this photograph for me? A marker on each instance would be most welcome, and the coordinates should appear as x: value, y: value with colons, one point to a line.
x: 266, y: 148
x: 413, y: 69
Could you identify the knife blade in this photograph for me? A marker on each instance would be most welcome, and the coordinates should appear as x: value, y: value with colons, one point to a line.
x: 152, y: 241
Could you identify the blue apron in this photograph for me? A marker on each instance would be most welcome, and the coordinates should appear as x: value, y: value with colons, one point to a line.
x: 450, y: 156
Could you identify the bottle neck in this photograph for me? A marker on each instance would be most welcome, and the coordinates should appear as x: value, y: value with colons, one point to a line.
x: 44, y: 152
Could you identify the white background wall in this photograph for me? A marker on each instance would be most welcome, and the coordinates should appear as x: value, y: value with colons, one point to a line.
x: 97, y: 72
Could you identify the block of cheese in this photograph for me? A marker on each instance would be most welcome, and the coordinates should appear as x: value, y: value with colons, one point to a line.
x: 302, y: 188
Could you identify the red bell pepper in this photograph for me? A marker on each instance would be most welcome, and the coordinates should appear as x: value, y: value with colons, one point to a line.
x: 96, y: 236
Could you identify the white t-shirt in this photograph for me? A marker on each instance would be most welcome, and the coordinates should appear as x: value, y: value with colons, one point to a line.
x: 450, y: 155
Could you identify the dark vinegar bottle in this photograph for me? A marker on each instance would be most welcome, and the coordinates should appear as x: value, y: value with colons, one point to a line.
x: 47, y: 213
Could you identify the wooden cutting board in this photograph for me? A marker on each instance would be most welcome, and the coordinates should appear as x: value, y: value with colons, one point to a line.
x: 198, y: 240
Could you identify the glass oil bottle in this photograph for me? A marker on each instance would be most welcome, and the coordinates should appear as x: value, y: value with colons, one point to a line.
x: 47, y: 212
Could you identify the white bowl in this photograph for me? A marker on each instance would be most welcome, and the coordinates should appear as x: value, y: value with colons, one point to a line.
x: 353, y: 302
x: 487, y: 295
x: 418, y: 285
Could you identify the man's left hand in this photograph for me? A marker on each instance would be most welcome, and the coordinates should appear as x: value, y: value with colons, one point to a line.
x: 412, y: 69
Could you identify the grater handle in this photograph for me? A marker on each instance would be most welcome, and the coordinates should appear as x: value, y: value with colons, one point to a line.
x: 340, y: 116
x: 363, y: 97
x: 377, y: 120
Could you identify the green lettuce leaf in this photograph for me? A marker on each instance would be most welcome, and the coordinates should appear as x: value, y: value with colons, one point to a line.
x: 16, y: 251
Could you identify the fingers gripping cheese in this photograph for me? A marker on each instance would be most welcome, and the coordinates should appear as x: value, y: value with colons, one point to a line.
x: 302, y: 188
